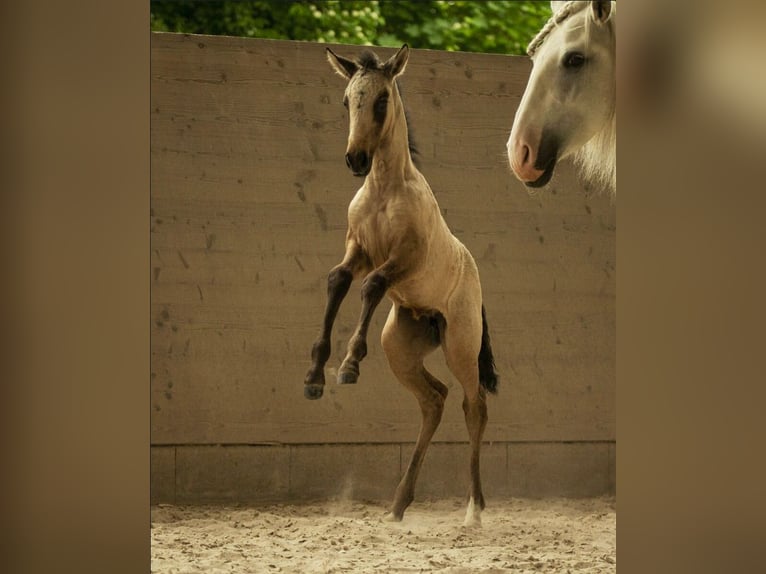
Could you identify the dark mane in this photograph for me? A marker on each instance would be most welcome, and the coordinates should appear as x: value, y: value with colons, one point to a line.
x: 368, y: 60
x: 410, y: 139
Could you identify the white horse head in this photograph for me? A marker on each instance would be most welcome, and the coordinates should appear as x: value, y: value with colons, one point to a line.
x: 569, y: 108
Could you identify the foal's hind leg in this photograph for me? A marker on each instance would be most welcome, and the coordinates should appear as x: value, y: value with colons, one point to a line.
x: 462, y: 341
x: 406, y: 341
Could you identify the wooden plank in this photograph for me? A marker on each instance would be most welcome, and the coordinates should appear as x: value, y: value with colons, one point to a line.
x: 548, y: 374
x: 249, y: 200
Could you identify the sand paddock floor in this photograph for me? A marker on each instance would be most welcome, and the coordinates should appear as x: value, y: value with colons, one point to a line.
x: 517, y: 535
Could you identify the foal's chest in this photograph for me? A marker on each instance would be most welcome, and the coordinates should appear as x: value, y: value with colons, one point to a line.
x: 376, y: 234
x: 378, y: 226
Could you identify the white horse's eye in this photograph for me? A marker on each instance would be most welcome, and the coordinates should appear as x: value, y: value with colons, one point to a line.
x: 574, y: 60
x: 345, y: 102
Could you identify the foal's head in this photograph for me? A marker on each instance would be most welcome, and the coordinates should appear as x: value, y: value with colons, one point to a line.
x: 372, y: 101
x: 570, y: 96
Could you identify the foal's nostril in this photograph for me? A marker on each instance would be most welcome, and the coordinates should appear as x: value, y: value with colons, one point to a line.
x: 359, y: 162
x: 525, y: 151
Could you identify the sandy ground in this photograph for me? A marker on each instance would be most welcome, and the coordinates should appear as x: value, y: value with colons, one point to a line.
x: 516, y: 536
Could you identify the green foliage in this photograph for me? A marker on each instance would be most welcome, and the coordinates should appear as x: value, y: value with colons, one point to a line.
x: 499, y: 26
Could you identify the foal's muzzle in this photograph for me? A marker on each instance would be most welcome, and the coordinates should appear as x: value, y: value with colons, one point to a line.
x: 359, y: 163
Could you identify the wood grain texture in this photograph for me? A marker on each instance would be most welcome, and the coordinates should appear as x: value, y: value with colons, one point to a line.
x: 248, y: 214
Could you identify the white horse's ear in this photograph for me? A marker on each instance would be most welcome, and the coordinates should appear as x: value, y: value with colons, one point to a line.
x: 556, y: 6
x: 602, y: 10
x: 342, y: 66
x: 398, y: 62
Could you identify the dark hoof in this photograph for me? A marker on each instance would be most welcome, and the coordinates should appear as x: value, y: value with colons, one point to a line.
x: 313, y: 391
x: 348, y: 376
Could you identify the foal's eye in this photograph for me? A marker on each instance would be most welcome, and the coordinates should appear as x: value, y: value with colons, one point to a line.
x: 574, y: 60
x: 345, y: 102
x: 381, y: 104
x: 380, y: 108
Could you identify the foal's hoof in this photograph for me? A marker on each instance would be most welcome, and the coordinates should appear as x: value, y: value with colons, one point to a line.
x: 313, y: 391
x: 347, y: 378
x: 348, y: 374
x: 473, y: 513
x: 391, y: 517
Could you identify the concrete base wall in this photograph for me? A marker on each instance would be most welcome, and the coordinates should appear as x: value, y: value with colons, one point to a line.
x: 249, y: 474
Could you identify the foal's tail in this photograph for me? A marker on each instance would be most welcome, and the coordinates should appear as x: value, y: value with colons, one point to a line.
x: 487, y: 374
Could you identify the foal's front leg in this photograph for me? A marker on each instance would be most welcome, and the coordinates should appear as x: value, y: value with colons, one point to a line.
x: 374, y: 287
x: 338, y: 283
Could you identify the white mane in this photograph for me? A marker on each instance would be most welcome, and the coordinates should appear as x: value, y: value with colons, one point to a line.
x: 597, y: 159
x: 562, y: 14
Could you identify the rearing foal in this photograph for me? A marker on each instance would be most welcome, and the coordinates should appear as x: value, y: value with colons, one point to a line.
x: 398, y: 241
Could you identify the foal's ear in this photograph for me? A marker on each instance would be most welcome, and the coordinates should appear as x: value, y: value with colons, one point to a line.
x: 398, y: 62
x: 602, y: 10
x: 343, y: 66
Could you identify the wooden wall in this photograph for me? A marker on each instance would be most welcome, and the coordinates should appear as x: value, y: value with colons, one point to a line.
x: 248, y: 213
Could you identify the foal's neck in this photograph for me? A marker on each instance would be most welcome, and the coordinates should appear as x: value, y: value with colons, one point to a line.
x: 392, y: 161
